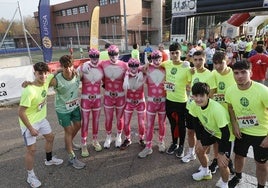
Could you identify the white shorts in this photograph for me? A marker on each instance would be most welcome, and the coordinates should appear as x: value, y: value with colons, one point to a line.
x: 43, y: 127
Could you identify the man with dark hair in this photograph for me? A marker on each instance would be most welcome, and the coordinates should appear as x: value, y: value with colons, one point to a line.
x: 248, y: 109
x: 178, y: 76
x: 135, y: 53
x: 212, y: 128
x: 32, y: 120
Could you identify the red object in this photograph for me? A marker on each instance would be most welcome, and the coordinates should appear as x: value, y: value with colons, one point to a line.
x: 53, y: 66
x: 238, y: 19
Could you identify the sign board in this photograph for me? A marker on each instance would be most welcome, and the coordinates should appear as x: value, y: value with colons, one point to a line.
x: 183, y: 7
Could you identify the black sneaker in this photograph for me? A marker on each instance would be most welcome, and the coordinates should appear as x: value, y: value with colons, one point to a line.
x: 125, y: 144
x: 233, y: 182
x: 231, y: 167
x: 142, y: 143
x: 172, y: 148
x: 213, y: 166
x: 180, y: 152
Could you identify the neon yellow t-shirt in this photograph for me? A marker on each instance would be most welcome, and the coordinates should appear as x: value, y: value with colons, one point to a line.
x: 104, y: 55
x: 222, y: 83
x: 35, y: 99
x: 135, y: 54
x: 177, y: 77
x: 206, y: 77
x: 214, y: 117
x: 250, y: 107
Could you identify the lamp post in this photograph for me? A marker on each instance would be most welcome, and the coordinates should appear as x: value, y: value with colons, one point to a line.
x: 139, y: 34
x: 147, y: 22
x: 125, y: 23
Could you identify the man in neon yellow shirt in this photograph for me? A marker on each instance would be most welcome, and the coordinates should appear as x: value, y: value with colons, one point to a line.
x: 178, y: 76
x: 104, y: 54
x: 248, y: 108
x: 213, y: 128
x: 33, y: 122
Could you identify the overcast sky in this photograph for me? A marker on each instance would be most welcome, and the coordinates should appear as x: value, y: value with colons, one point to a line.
x: 27, y: 7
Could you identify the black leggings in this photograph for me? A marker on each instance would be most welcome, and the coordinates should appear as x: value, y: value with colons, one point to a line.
x: 176, y: 115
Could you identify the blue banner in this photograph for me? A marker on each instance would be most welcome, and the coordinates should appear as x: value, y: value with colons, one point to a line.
x: 45, y: 29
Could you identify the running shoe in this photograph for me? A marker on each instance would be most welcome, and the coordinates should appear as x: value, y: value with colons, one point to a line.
x: 202, y: 175
x: 214, y: 166
x: 118, y: 141
x: 84, y: 151
x: 172, y: 148
x: 125, y: 144
x: 142, y: 143
x: 180, y: 152
x: 145, y: 152
x: 188, y: 157
x: 54, y: 161
x: 96, y: 145
x: 161, y: 147
x: 33, y: 181
x: 76, y: 147
x: 234, y: 182
x: 76, y: 163
x: 107, y: 142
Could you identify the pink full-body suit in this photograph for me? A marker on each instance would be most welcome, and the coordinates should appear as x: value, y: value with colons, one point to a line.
x: 135, y: 100
x: 155, y: 103
x: 114, y: 95
x: 92, y: 76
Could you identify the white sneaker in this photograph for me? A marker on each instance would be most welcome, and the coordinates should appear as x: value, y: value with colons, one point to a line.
x: 76, y: 163
x: 118, y: 141
x: 201, y: 175
x: 107, y: 142
x: 146, y: 151
x: 189, y: 157
x: 76, y: 147
x: 161, y: 147
x: 53, y: 161
x: 96, y: 145
x: 84, y: 151
x: 33, y: 181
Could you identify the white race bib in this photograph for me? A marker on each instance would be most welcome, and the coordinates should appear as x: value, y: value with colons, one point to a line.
x: 219, y: 97
x: 70, y: 105
x: 247, y: 121
x: 169, y: 86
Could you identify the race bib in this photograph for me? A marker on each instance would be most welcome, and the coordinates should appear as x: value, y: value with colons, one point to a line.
x: 70, y: 105
x: 247, y: 121
x: 169, y: 86
x: 219, y: 97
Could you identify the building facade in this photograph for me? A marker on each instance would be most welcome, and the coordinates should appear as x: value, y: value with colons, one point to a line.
x: 71, y: 22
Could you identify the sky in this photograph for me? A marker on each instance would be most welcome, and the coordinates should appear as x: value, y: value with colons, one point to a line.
x: 27, y: 7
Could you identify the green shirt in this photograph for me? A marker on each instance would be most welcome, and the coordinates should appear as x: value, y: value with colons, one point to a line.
x: 177, y: 77
x: 250, y: 107
x: 135, y: 54
x: 35, y: 99
x: 104, y: 55
x: 214, y: 117
x: 66, y: 99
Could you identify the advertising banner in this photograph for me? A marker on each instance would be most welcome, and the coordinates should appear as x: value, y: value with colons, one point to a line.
x: 45, y: 29
x: 94, y: 26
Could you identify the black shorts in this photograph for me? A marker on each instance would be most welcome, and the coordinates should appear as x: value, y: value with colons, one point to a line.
x: 241, y: 147
x: 208, y: 139
x: 189, y: 121
x: 178, y: 107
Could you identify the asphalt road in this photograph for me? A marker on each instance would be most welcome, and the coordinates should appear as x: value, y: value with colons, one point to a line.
x: 108, y: 168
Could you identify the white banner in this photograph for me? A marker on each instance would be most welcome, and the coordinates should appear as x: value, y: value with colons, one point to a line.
x: 183, y: 7
x: 11, y: 80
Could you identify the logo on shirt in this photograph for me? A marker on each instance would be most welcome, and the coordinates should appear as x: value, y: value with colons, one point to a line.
x: 244, y: 101
x: 221, y: 85
x: 44, y: 93
x: 173, y: 71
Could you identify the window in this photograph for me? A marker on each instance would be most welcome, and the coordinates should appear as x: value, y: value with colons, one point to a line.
x: 145, y: 20
x: 82, y: 9
x: 75, y: 11
x: 69, y: 12
x: 63, y: 13
x: 113, y: 1
x: 103, y: 2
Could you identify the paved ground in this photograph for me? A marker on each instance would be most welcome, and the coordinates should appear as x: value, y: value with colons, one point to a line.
x: 108, y: 168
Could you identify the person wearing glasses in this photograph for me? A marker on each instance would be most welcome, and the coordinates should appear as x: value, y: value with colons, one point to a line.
x: 114, y: 95
x: 178, y: 76
x: 91, y: 76
x: 134, y: 86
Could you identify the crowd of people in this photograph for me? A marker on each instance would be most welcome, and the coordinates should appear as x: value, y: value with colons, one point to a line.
x: 194, y: 89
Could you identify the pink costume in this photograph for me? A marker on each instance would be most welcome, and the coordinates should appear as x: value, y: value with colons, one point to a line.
x: 92, y: 76
x: 155, y: 101
x: 114, y: 95
x: 135, y: 98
